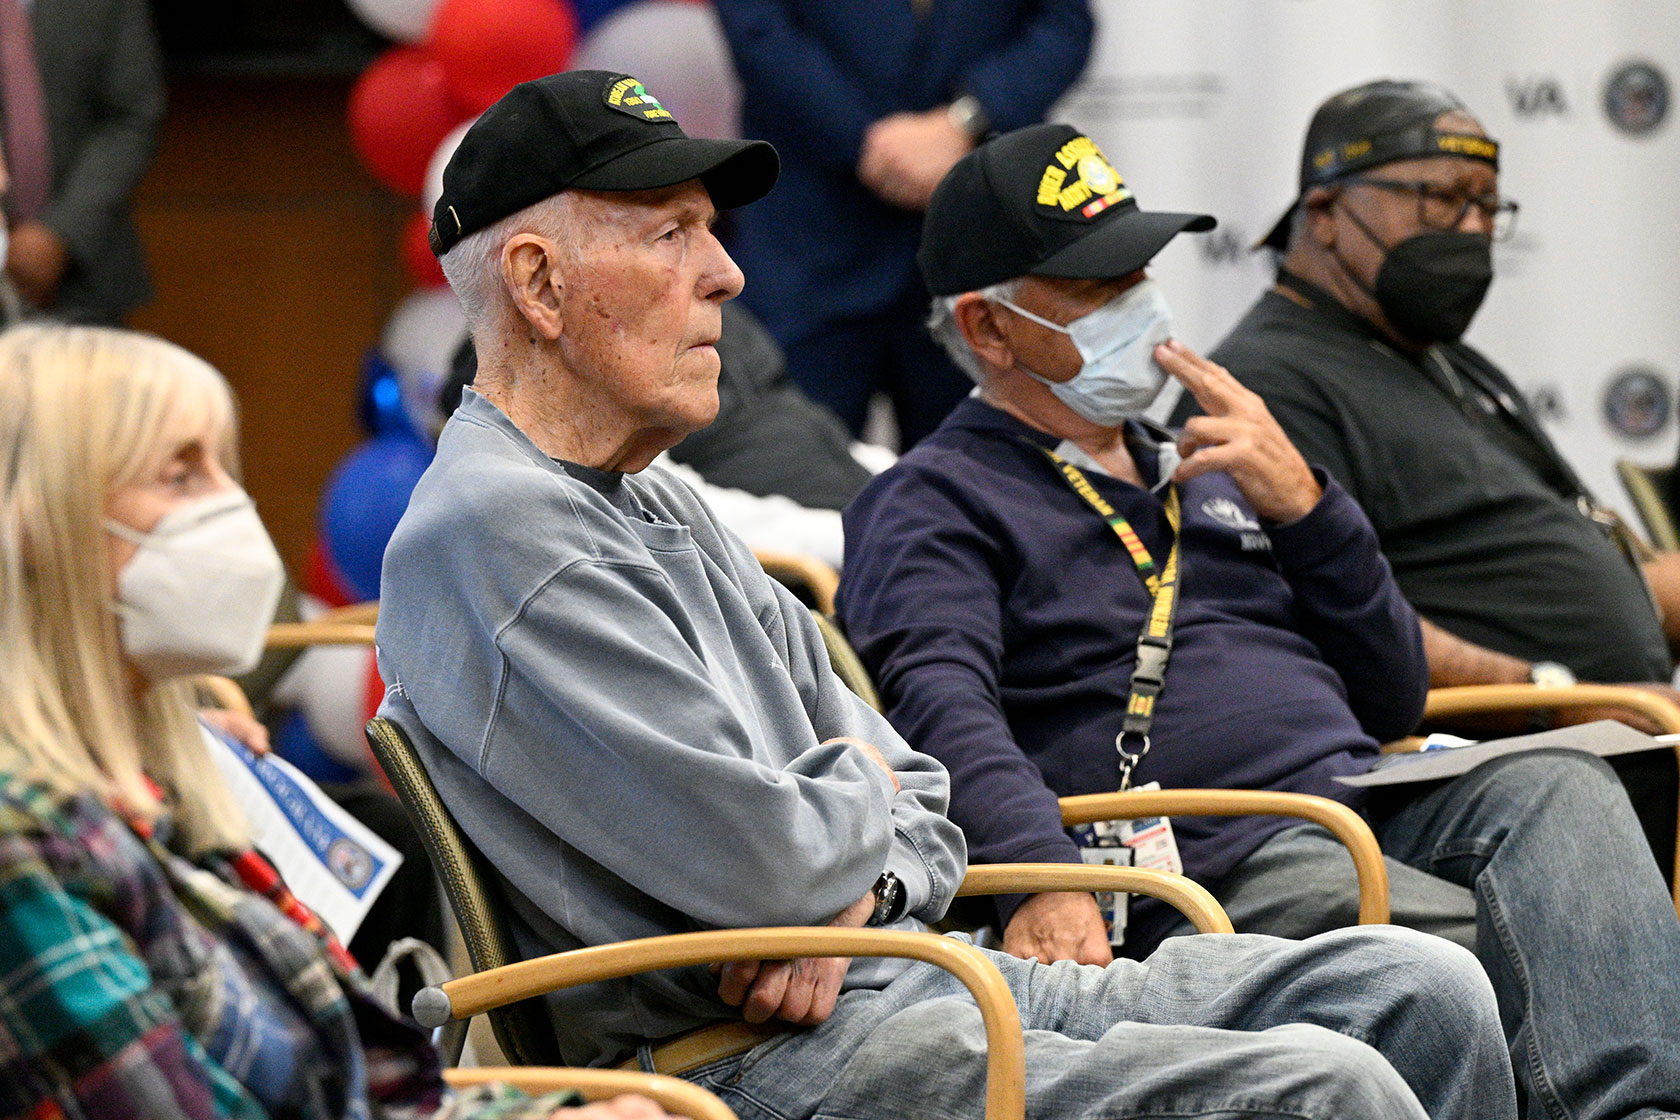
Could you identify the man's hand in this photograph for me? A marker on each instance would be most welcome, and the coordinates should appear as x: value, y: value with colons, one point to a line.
x: 906, y: 154
x: 801, y: 992
x: 36, y: 262
x: 628, y: 1106
x: 870, y: 751
x: 1064, y: 926
x: 1567, y: 717
x: 1238, y: 436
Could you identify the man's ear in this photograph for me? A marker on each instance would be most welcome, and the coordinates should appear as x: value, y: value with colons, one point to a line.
x: 531, y: 275
x: 1319, y: 224
x: 976, y: 318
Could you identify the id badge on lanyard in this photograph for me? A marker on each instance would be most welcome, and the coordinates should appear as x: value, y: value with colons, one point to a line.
x: 1143, y: 842
x: 1148, y: 841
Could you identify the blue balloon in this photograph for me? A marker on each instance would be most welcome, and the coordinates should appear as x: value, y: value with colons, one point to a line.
x: 591, y: 12
x: 294, y: 742
x: 379, y: 405
x: 364, y: 497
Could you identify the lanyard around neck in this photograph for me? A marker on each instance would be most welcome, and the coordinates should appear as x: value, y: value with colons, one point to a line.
x: 1154, y: 644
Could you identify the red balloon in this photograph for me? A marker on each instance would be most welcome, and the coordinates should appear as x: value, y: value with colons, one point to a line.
x: 400, y: 110
x: 489, y: 46
x: 423, y: 268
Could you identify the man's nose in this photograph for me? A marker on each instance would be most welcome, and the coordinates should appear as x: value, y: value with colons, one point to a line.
x: 721, y: 279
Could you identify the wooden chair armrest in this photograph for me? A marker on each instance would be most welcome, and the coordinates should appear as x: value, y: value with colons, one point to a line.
x: 807, y: 571
x: 294, y: 635
x: 367, y: 612
x: 1005, y: 1070
x: 672, y: 1093
x: 1475, y: 699
x: 1189, y: 897
x: 1346, y: 825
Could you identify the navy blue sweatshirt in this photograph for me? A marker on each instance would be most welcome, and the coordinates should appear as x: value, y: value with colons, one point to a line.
x: 999, y: 615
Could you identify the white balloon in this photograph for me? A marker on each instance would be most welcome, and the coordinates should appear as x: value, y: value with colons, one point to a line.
x: 403, y: 21
x: 433, y: 186
x: 420, y: 338
x: 678, y: 51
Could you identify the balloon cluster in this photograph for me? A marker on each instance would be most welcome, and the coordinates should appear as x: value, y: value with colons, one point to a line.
x: 451, y: 59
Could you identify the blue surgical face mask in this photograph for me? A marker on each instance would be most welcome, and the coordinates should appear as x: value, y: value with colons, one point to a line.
x: 1119, y: 377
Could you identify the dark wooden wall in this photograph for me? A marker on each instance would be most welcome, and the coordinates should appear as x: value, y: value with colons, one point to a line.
x: 275, y: 258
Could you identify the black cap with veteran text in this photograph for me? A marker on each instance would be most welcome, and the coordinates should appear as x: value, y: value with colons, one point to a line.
x: 590, y: 130
x: 1379, y: 122
x: 1041, y: 201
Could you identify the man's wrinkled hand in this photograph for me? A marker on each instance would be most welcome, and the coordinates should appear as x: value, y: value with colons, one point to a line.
x: 36, y: 261
x: 870, y: 751
x: 629, y: 1106
x: 801, y: 992
x: 1238, y: 436
x: 1568, y: 717
x: 1060, y: 926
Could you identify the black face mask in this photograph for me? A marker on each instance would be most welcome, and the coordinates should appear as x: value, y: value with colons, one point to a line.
x: 1430, y: 286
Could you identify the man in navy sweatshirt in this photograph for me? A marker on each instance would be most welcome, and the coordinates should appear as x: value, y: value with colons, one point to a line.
x: 1057, y: 597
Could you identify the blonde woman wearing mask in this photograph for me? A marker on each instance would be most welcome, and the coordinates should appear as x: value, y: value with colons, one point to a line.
x: 151, y: 964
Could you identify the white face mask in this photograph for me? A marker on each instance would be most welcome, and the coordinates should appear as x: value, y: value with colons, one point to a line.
x: 1119, y: 377
x: 199, y: 594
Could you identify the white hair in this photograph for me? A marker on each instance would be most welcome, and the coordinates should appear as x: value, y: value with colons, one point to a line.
x: 473, y: 266
x: 942, y: 324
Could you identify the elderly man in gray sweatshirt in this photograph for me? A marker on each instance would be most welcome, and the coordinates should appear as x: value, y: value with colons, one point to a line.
x: 641, y: 731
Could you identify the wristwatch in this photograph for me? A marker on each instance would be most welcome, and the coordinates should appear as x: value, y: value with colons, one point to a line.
x: 889, y: 900
x: 969, y: 116
x: 1550, y: 674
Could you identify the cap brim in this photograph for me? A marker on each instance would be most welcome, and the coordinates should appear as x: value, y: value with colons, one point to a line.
x: 735, y: 172
x: 1278, y: 236
x: 1121, y: 246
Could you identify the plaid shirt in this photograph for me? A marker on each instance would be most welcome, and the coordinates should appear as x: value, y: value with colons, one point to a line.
x: 137, y: 983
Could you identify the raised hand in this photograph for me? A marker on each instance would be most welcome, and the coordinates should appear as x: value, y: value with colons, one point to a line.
x: 1238, y: 436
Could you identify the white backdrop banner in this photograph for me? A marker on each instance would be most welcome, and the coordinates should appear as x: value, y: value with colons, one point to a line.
x: 1202, y: 105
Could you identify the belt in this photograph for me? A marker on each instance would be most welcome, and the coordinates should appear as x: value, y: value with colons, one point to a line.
x: 689, y: 1051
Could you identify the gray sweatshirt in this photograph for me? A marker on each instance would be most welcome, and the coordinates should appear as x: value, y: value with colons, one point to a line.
x: 625, y: 715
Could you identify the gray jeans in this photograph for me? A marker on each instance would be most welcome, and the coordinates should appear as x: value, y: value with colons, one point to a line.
x: 1536, y: 862
x: 1381, y: 1024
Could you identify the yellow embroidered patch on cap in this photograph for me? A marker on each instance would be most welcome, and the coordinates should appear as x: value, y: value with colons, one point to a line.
x: 1080, y: 178
x: 629, y: 96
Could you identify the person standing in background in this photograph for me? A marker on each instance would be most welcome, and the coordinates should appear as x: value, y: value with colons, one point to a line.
x: 81, y: 99
x: 869, y: 104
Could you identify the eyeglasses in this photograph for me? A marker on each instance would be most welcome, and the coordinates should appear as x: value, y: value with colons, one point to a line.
x: 1439, y: 208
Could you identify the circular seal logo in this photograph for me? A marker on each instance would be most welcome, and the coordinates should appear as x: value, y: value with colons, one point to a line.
x: 1636, y: 98
x: 1637, y: 402
x: 350, y: 862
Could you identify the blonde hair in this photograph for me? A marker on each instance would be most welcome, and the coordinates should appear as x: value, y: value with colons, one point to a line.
x: 84, y: 412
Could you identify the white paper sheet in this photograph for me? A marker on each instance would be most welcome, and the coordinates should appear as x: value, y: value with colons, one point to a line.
x: 333, y: 863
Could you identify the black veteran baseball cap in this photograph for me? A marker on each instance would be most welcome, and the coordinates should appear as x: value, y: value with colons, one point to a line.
x: 1376, y: 123
x: 1044, y: 201
x: 586, y: 129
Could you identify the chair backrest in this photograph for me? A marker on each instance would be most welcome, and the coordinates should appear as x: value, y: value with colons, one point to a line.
x: 847, y: 665
x: 1649, y: 487
x: 523, y: 1029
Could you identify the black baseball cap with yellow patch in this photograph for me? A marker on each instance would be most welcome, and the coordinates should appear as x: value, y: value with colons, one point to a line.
x: 1040, y: 201
x: 588, y: 130
x: 1376, y: 123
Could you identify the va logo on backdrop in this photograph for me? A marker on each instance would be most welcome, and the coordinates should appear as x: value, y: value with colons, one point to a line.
x: 1536, y: 97
x: 1637, y: 401
x: 1636, y: 98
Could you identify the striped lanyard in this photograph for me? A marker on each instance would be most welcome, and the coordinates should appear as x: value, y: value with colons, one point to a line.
x: 1154, y: 643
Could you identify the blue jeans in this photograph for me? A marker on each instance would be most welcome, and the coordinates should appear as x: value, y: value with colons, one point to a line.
x: 1538, y: 861
x: 1351, y: 1025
